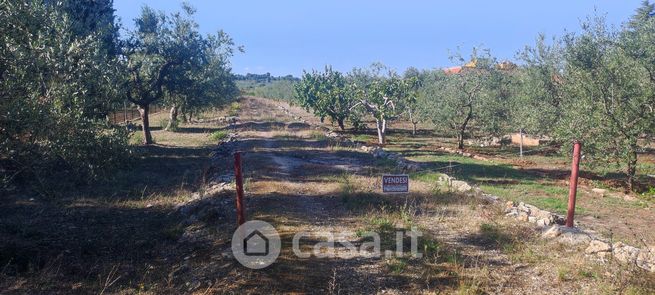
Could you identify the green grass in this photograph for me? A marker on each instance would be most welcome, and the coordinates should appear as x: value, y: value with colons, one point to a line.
x: 362, y: 137
x: 397, y: 265
x: 498, y: 179
x: 382, y: 224
x: 218, y: 135
x: 234, y: 109
x: 318, y: 135
x: 136, y: 138
x: 426, y: 176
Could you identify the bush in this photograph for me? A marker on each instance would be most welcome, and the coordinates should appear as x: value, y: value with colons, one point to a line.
x: 234, y: 109
x: 57, y: 89
x: 218, y: 135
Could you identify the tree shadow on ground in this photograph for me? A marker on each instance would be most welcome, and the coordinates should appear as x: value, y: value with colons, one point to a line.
x: 154, y: 169
x: 78, y: 243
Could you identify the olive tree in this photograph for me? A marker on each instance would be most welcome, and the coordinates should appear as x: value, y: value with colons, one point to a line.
x: 537, y: 100
x: 206, y: 80
x: 327, y: 94
x: 382, y: 93
x: 55, y: 89
x: 416, y: 80
x: 454, y: 101
x: 610, y: 95
x: 167, y: 59
x: 150, y: 56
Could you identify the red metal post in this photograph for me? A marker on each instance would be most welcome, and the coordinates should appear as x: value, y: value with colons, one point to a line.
x: 241, y: 216
x: 575, y: 167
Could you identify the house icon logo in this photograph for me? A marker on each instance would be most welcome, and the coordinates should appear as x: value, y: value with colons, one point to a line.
x: 256, y: 244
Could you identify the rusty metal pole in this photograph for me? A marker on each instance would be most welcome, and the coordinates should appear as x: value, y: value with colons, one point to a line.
x: 521, y: 145
x: 241, y: 216
x: 575, y: 167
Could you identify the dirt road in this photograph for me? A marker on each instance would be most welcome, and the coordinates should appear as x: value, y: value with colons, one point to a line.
x: 301, y: 181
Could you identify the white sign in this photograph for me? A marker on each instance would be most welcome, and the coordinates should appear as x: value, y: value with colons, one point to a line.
x: 395, y: 183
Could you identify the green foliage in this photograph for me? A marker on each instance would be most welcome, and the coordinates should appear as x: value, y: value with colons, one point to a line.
x: 611, y: 94
x: 597, y: 87
x: 283, y: 90
x: 168, y: 59
x: 477, y: 96
x: 92, y: 18
x: 265, y: 85
x: 412, y: 107
x: 538, y: 86
x: 377, y: 91
x: 234, y: 109
x: 397, y: 265
x: 381, y: 93
x: 327, y: 94
x: 57, y: 87
x: 218, y: 135
x: 382, y: 224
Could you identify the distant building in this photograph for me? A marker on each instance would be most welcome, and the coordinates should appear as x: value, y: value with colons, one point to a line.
x: 452, y: 70
x: 529, y: 140
x: 504, y: 66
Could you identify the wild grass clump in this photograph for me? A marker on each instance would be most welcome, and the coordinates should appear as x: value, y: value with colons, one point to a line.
x: 234, y: 109
x: 318, y: 135
x: 218, y: 135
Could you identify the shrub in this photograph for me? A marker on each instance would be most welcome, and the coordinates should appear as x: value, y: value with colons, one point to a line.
x: 218, y: 135
x: 57, y: 89
x: 234, y: 109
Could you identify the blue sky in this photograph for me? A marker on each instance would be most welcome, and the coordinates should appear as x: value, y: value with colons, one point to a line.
x: 286, y: 37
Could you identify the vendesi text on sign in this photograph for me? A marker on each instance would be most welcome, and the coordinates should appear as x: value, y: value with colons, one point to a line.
x: 398, y: 183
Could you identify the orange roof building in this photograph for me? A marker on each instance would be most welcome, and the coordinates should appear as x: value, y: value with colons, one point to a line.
x: 452, y: 70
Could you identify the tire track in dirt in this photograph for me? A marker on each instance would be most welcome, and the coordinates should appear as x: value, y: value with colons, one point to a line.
x: 321, y: 214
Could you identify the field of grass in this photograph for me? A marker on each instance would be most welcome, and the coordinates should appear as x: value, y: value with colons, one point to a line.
x: 540, y: 178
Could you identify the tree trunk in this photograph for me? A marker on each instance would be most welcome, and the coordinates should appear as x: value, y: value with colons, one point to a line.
x: 411, y: 119
x: 460, y: 139
x: 190, y: 114
x: 381, y: 125
x: 172, y: 118
x: 462, y: 129
x: 144, y: 112
x: 341, y: 125
x: 632, y: 168
x: 183, y: 113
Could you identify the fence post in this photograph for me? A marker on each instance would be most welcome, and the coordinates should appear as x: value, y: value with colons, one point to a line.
x: 241, y: 216
x: 575, y: 167
x: 521, y: 145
